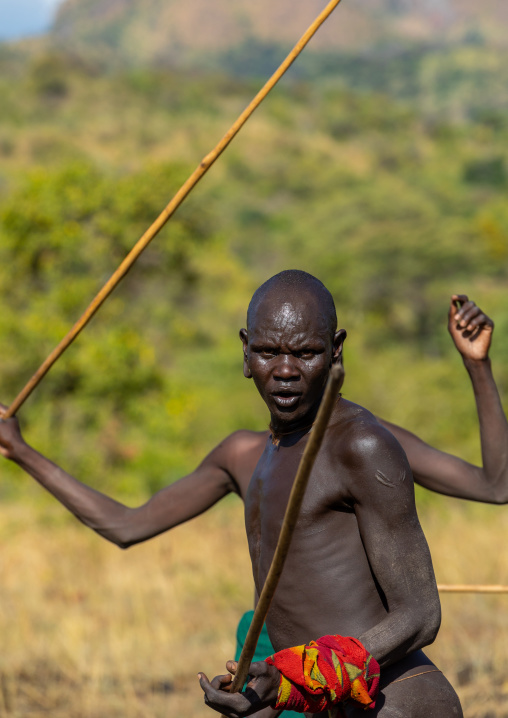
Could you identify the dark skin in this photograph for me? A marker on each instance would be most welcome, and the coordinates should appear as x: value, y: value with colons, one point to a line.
x: 359, y: 563
x: 229, y: 467
x: 471, y: 330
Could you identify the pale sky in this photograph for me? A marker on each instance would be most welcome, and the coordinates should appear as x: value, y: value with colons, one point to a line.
x: 19, y: 18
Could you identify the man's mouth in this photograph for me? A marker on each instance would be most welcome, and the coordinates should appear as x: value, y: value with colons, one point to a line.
x: 286, y: 399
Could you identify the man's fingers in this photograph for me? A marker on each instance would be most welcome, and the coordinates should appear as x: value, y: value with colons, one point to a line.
x: 260, y: 691
x: 456, y: 303
x: 203, y: 681
x: 461, y: 298
x: 219, y: 683
x: 231, y: 704
x: 463, y: 310
x: 232, y: 666
x: 207, y: 688
x: 474, y: 317
x: 470, y: 328
x: 468, y: 315
x: 222, y: 683
x: 260, y: 668
x: 465, y: 315
x: 482, y: 320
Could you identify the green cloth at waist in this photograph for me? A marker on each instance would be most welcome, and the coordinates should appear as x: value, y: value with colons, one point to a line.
x: 264, y: 649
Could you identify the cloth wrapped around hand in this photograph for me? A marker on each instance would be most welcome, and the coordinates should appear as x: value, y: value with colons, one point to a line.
x: 330, y: 670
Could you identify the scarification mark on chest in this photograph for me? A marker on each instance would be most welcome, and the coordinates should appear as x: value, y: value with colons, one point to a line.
x: 383, y: 479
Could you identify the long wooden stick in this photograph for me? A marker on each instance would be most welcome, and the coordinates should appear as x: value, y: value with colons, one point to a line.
x: 471, y: 588
x: 288, y: 526
x: 161, y: 220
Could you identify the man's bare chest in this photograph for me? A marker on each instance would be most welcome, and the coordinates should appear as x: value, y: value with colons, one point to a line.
x: 325, y: 506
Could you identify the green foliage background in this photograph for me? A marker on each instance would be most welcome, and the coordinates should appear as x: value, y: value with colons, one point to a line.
x: 388, y: 182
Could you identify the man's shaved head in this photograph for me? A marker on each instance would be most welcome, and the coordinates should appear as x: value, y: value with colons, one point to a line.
x: 290, y: 345
x: 294, y: 283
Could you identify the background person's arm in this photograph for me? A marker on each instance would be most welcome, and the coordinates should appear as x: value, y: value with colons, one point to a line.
x: 124, y: 526
x: 471, y: 331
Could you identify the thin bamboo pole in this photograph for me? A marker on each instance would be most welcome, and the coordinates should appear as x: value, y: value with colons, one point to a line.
x: 473, y: 588
x: 288, y: 526
x: 169, y: 210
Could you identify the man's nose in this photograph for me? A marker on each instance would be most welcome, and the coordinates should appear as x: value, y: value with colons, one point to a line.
x: 286, y: 368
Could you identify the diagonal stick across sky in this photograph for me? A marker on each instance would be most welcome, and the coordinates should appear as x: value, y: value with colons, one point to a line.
x: 167, y: 212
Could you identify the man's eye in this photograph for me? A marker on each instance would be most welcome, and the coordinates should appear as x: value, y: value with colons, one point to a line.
x: 305, y: 355
x: 268, y: 353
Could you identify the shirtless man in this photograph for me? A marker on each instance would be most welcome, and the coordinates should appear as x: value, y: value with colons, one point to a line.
x: 228, y: 468
x: 359, y: 563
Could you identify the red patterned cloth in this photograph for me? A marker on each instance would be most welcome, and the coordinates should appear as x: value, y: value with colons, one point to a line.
x: 330, y: 670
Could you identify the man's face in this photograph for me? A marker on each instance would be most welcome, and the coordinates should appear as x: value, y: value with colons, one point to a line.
x: 289, y: 352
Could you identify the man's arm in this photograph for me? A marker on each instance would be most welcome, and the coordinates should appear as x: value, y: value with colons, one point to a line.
x: 124, y: 526
x: 471, y: 331
x: 383, y: 498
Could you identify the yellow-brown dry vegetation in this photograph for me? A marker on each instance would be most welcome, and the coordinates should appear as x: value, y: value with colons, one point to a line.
x: 89, y: 630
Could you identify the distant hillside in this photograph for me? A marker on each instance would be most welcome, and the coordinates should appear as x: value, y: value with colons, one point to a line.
x: 197, y: 32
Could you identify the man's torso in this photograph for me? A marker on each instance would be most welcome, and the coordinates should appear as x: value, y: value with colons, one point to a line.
x: 327, y: 586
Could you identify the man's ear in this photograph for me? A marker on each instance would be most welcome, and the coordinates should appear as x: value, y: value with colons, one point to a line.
x: 338, y: 343
x: 245, y: 341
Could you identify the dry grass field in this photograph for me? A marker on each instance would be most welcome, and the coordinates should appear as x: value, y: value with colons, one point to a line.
x: 88, y: 630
